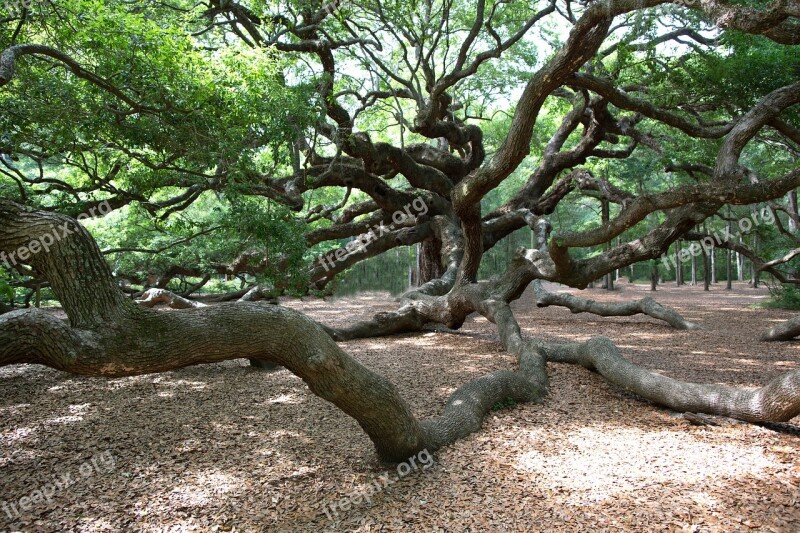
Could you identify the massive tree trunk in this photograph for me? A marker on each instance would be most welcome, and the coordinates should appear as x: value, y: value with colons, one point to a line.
x: 110, y: 335
x: 430, y: 260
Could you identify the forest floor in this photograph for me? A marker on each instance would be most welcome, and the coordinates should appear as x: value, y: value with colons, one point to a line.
x: 228, y: 448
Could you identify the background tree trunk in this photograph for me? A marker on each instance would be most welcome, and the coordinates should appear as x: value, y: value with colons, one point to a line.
x: 653, y: 275
x: 794, y: 214
x: 714, y: 265
x: 605, y: 216
x: 729, y: 270
x: 755, y: 273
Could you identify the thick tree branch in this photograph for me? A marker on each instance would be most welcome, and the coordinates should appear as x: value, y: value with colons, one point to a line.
x: 646, y: 306
x: 785, y: 331
x: 777, y: 401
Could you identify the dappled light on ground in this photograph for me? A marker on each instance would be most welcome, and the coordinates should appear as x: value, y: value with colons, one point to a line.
x: 597, y: 463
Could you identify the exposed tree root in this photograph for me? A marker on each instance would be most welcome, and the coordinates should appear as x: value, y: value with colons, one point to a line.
x: 646, y: 306
x: 785, y: 331
x: 699, y: 419
x: 780, y: 427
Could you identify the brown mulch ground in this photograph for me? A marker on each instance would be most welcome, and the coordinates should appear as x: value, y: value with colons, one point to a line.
x: 223, y: 447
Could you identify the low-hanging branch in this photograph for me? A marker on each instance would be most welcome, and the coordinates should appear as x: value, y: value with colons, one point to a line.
x: 646, y: 306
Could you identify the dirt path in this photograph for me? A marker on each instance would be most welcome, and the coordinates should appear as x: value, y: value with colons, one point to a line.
x: 223, y: 447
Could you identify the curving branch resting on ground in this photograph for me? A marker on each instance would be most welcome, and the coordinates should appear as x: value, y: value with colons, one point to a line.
x: 777, y: 401
x: 646, y: 306
x: 467, y: 406
x: 785, y: 331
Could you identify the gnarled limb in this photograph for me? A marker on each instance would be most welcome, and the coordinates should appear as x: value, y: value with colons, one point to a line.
x: 139, y: 341
x: 646, y: 306
x: 777, y: 401
x: 776, y: 21
x: 158, y: 342
x: 404, y: 320
x: 11, y: 55
x: 34, y: 336
x: 785, y: 331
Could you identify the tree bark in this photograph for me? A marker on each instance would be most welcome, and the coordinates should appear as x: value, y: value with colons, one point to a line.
x: 729, y: 270
x: 755, y: 273
x: 653, y: 275
x: 430, y: 261
x: 605, y: 216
